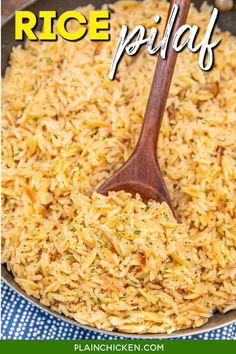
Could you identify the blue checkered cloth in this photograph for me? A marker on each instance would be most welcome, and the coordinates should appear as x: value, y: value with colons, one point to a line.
x: 22, y: 320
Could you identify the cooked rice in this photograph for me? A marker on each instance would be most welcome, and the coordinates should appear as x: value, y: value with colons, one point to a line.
x: 113, y: 262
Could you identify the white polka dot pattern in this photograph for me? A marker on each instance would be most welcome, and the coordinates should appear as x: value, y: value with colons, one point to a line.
x: 22, y: 320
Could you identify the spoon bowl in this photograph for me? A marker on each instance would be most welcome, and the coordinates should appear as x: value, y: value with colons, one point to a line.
x: 140, y: 174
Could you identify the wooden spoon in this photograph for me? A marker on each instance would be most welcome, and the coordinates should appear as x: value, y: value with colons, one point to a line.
x: 141, y: 172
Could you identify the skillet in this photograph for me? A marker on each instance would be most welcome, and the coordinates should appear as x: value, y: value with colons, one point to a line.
x: 226, y: 22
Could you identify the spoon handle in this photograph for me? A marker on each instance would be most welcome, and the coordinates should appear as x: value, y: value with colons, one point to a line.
x: 160, y: 86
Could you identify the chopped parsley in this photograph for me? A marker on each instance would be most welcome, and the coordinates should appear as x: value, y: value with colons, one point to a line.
x: 137, y: 232
x: 137, y: 309
x: 166, y: 216
x: 100, y: 242
x: 48, y: 60
x: 71, y: 258
x: 147, y: 208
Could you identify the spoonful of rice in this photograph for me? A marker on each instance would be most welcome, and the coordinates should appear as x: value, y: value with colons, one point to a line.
x: 141, y: 172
